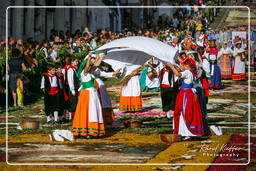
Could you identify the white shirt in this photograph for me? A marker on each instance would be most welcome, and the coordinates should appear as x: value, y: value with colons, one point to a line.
x: 45, y: 51
x: 86, y: 77
x: 206, y: 67
x: 70, y: 75
x: 53, y: 82
x: 225, y: 51
x: 99, y: 73
x: 187, y: 76
x: 236, y: 51
x: 165, y: 79
x: 54, y: 55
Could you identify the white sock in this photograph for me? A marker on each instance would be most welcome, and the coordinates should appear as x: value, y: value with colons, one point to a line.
x: 169, y: 114
x: 70, y: 116
x: 48, y: 118
x: 56, y: 117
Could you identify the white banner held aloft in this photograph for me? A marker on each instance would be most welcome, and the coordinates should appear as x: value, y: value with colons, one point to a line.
x: 137, y: 50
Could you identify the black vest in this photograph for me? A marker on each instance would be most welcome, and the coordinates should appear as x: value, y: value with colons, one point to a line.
x: 47, y: 84
x: 176, y: 84
x: 75, y: 78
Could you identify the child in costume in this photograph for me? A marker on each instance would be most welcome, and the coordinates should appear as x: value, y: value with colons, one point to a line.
x: 169, y: 89
x: 72, y: 86
x: 61, y: 76
x: 20, y: 90
x: 51, y: 86
x: 66, y: 103
x: 187, y: 113
x: 88, y: 119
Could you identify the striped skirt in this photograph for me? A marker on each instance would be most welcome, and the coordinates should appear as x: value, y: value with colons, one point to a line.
x: 130, y: 103
x: 88, y: 119
x: 225, y: 66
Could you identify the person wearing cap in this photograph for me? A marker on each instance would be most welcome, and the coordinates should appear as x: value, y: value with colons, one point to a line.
x: 239, y: 63
x: 88, y: 119
x: 225, y: 61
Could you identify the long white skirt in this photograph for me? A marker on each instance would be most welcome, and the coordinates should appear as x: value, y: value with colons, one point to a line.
x: 239, y: 66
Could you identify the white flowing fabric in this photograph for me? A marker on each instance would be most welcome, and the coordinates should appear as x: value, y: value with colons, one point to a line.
x: 59, y: 134
x: 138, y: 49
x: 126, y: 68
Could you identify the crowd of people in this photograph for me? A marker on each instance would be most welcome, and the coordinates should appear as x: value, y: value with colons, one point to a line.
x: 70, y: 73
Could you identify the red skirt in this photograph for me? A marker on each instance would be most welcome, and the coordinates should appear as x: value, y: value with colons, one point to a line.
x: 187, y: 104
x: 205, y: 86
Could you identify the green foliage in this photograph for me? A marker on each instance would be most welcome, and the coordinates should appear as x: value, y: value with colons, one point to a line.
x: 2, y: 65
x: 112, y: 82
x: 63, y: 53
x: 80, y: 55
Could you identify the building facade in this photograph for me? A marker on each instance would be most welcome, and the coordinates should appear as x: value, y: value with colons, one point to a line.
x: 37, y: 23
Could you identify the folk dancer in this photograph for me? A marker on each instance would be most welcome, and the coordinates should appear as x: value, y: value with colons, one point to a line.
x: 188, y: 119
x: 88, y: 119
x: 212, y: 55
x: 50, y: 84
x: 239, y: 63
x: 225, y: 54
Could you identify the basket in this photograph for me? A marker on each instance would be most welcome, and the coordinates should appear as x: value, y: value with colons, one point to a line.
x: 127, y: 123
x: 136, y: 124
x: 29, y: 125
x: 170, y: 138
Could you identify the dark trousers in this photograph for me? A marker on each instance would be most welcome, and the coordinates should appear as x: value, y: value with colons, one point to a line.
x: 168, y: 97
x: 203, y: 102
x: 72, y: 102
x: 52, y: 103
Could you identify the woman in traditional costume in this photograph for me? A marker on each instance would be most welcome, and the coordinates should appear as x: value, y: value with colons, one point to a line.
x: 239, y: 63
x: 105, y: 100
x: 88, y: 119
x: 130, y: 97
x: 212, y: 55
x: 149, y: 81
x: 225, y: 61
x: 188, y: 119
